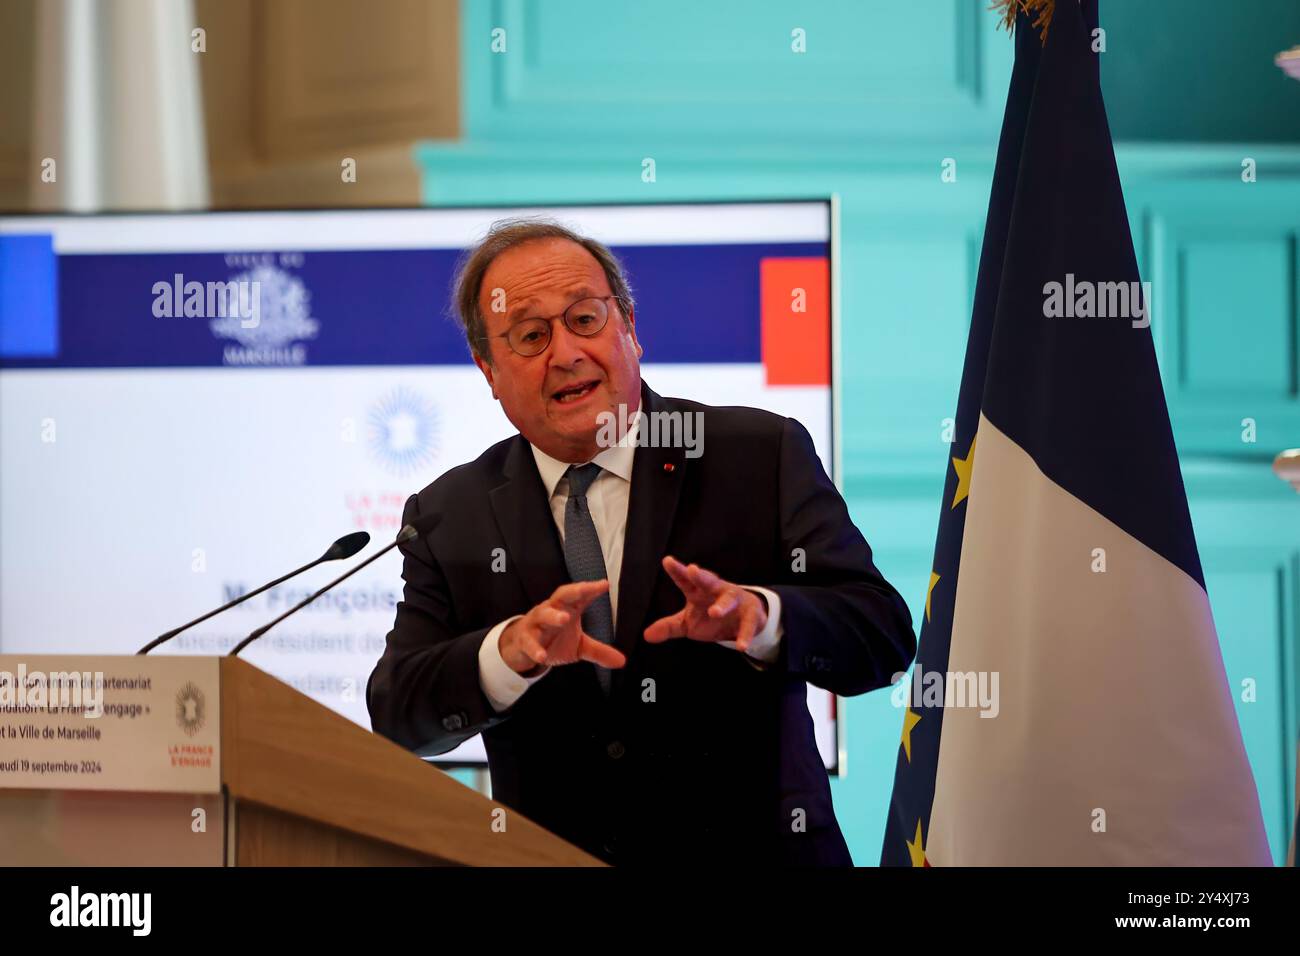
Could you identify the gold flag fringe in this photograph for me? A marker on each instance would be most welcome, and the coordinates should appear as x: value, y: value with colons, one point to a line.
x: 1041, y: 10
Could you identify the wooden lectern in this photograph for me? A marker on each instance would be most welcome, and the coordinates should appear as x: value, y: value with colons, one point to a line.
x: 299, y: 785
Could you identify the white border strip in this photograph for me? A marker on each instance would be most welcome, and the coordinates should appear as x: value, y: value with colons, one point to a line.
x: 307, y: 230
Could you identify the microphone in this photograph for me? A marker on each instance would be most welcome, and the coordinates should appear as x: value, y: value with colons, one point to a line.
x: 344, y: 547
x: 416, y: 529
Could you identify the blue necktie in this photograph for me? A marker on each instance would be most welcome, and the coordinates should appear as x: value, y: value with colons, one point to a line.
x: 585, y: 560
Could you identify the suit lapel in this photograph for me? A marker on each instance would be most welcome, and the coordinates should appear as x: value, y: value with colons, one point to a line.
x: 524, y: 516
x: 650, y: 513
x: 533, y: 550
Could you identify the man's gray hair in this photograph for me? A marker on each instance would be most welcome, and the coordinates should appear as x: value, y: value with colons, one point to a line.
x: 505, y: 234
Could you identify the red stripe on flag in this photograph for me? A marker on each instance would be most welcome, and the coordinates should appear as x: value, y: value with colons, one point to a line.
x: 795, y: 299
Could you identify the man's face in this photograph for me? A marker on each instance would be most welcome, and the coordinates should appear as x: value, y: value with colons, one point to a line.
x: 542, y: 278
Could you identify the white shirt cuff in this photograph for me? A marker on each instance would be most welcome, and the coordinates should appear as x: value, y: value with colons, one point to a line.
x: 501, y: 685
x: 766, y: 644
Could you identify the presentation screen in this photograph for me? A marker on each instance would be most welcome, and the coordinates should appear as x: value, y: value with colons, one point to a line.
x: 163, y: 455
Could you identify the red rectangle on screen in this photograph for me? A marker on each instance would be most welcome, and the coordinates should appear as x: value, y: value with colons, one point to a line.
x: 796, y: 321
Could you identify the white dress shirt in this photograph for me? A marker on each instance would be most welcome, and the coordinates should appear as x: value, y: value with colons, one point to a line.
x: 607, y: 499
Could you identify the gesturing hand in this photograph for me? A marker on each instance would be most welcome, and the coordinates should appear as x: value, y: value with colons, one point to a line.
x: 551, y: 633
x: 716, y: 610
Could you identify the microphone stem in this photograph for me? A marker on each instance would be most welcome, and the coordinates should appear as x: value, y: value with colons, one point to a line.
x: 311, y: 597
x: 225, y: 607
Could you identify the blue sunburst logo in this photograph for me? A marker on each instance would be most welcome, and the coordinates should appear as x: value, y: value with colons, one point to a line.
x: 403, y: 432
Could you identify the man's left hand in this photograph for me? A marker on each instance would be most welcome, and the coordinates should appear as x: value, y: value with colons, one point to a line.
x: 716, y: 610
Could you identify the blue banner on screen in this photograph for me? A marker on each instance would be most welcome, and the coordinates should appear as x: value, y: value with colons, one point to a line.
x: 355, y: 307
x: 224, y: 394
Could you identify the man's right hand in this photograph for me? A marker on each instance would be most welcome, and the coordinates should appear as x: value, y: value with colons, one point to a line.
x: 551, y: 633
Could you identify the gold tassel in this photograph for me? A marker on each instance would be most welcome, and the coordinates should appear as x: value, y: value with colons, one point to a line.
x: 1008, y: 9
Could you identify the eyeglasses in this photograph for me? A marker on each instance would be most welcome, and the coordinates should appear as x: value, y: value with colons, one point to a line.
x: 585, y: 317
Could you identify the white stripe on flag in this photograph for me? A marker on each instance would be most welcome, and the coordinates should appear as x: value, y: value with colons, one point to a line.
x: 1113, y: 695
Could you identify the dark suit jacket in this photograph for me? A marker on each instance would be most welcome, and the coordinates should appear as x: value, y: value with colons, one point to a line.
x: 698, y: 755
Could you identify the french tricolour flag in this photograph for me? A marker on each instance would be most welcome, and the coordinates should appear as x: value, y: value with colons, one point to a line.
x: 1066, y: 584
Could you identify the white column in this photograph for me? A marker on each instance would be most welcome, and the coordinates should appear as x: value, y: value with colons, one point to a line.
x: 118, y: 106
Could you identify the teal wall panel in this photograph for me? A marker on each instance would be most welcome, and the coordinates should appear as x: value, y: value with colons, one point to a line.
x: 1200, y: 70
x: 1221, y: 256
x: 1255, y: 673
x: 872, y: 723
x: 1248, y: 531
x: 886, y: 93
x: 1237, y: 317
x: 675, y: 70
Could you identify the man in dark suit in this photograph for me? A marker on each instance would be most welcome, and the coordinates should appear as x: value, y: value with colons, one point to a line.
x: 630, y: 622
